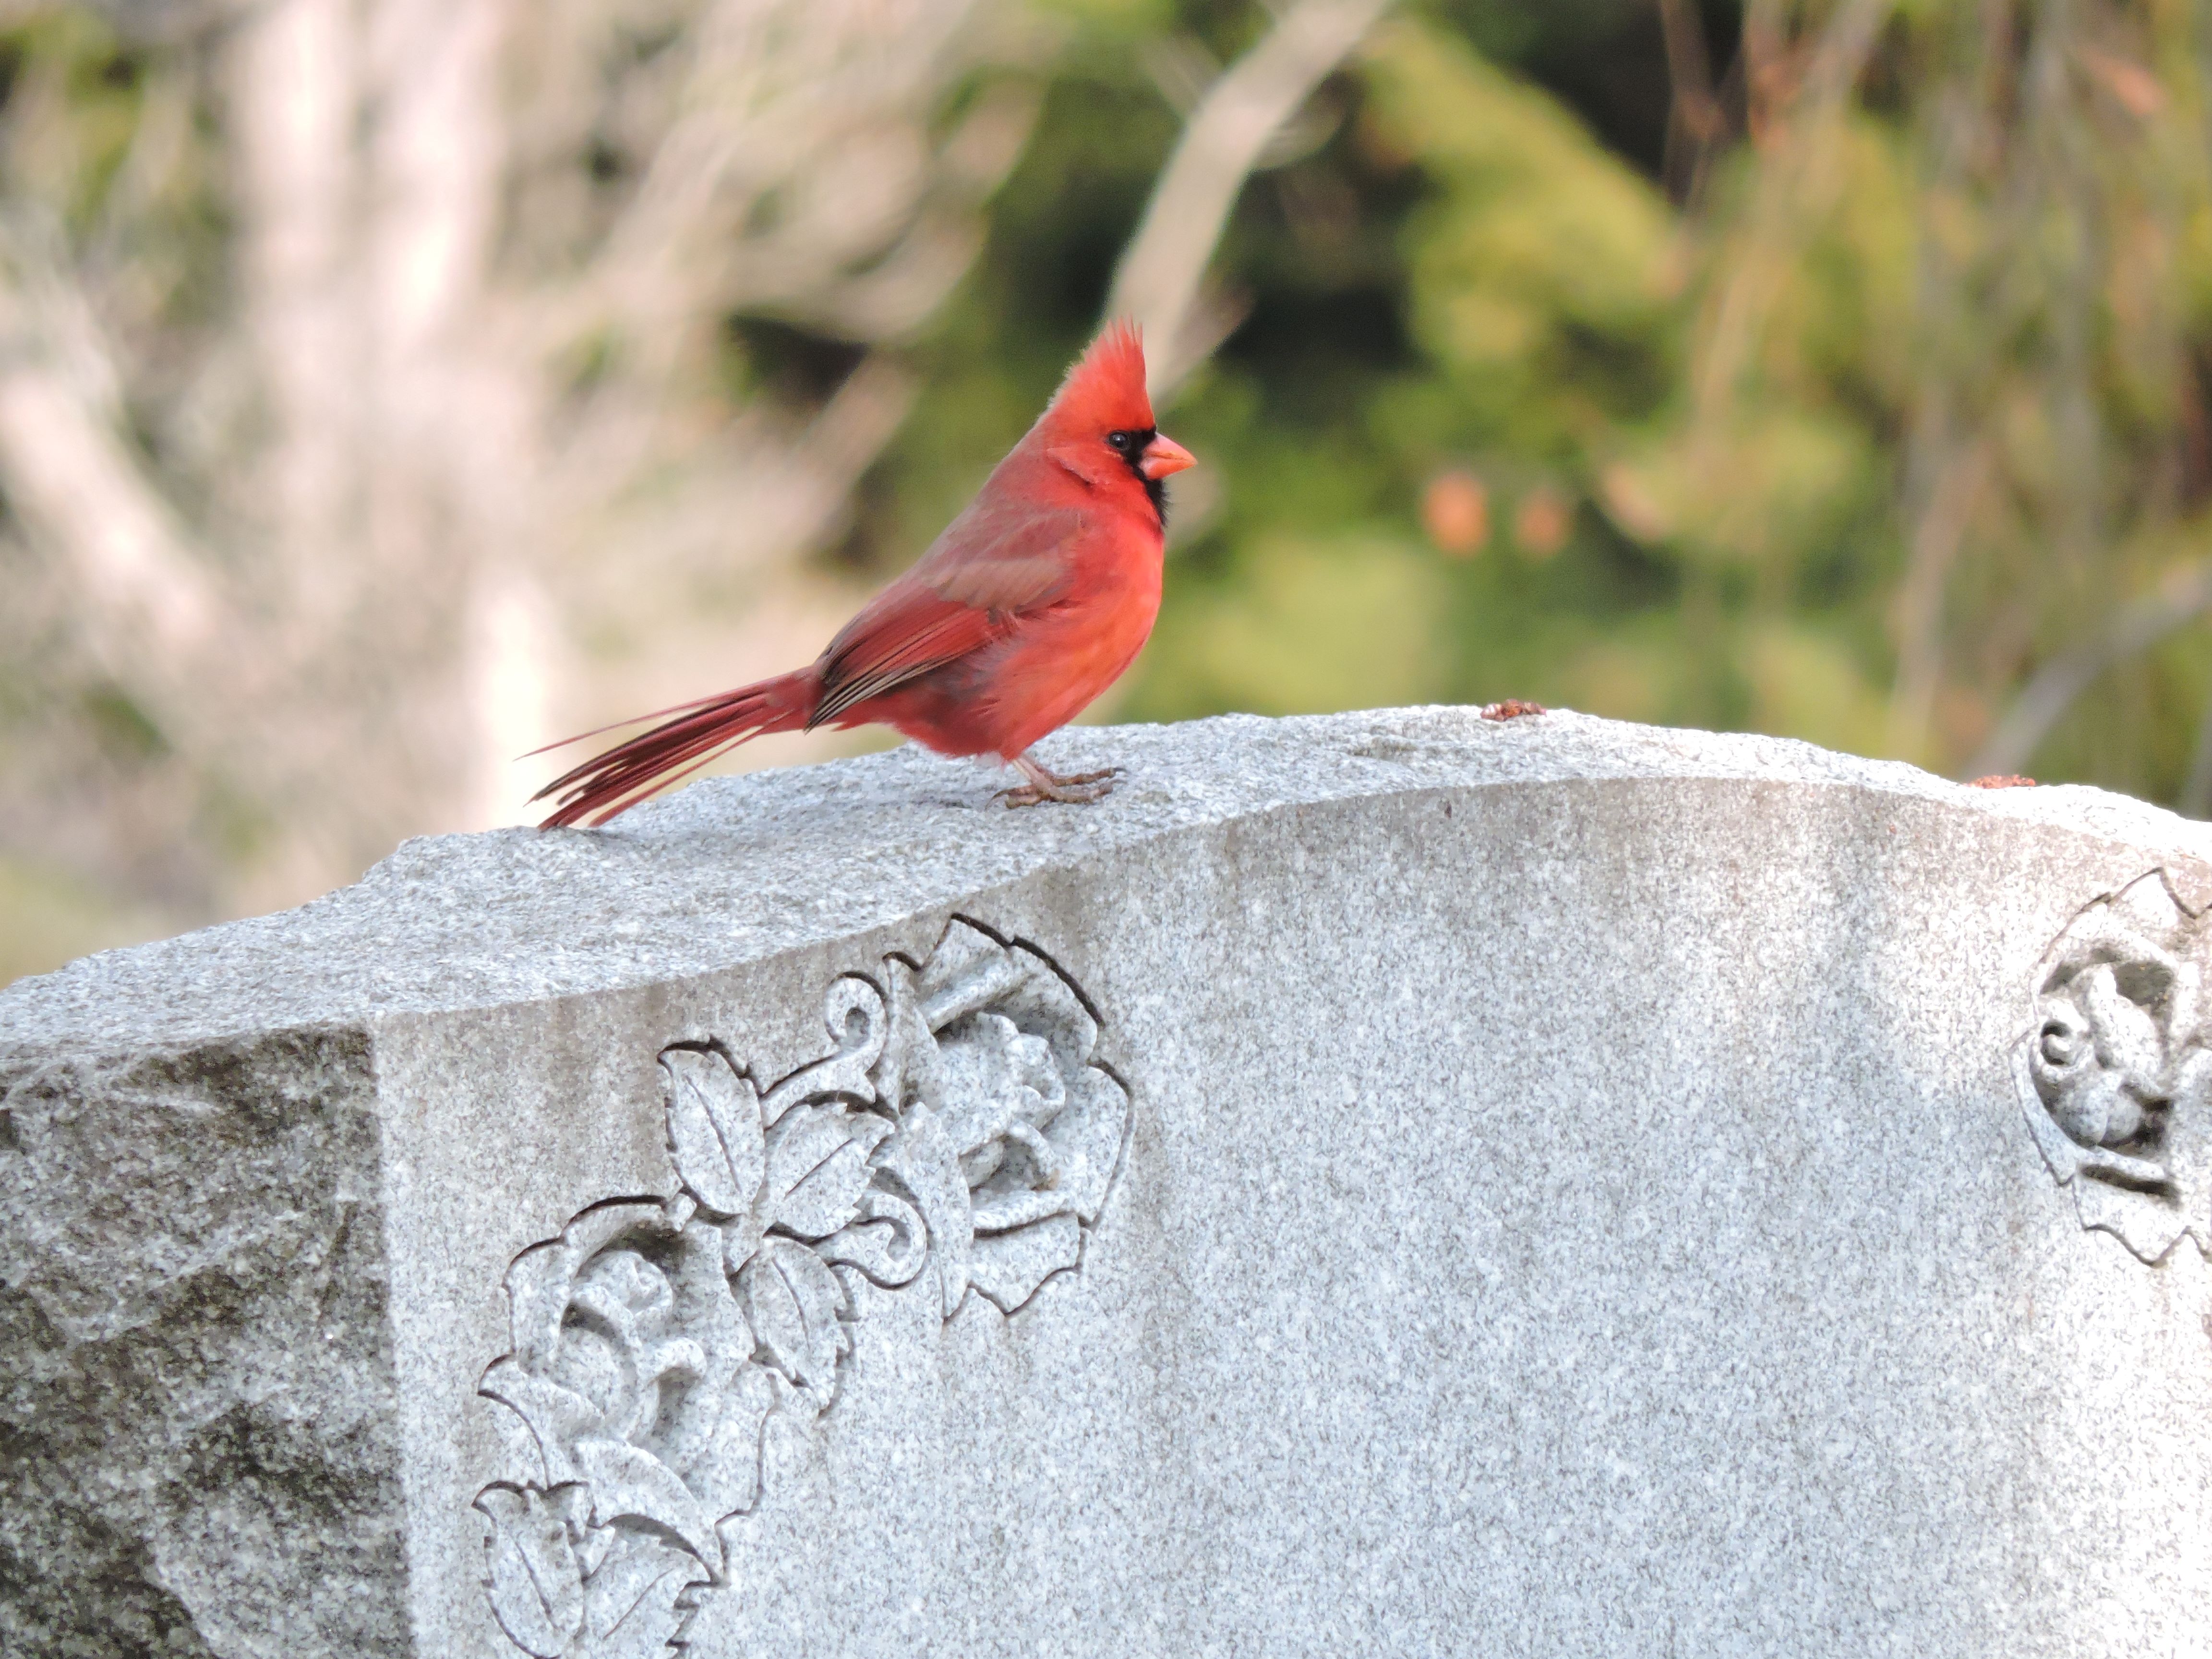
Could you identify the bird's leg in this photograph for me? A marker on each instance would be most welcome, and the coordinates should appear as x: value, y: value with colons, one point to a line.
x: 1077, y: 789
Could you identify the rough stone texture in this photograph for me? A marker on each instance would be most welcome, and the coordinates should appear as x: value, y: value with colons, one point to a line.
x: 1577, y: 1200
x: 198, y: 1453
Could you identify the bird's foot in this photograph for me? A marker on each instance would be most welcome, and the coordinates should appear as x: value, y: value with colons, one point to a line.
x: 1073, y: 789
x: 1512, y: 708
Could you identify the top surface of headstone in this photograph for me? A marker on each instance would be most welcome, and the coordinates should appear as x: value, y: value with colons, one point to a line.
x: 735, y: 869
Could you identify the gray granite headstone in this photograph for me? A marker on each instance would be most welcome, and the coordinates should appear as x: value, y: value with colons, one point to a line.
x: 1392, y: 1183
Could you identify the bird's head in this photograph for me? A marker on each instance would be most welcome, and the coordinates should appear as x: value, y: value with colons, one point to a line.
x: 1100, y: 427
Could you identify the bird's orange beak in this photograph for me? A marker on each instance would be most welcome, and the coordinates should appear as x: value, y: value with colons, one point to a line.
x: 1162, y: 456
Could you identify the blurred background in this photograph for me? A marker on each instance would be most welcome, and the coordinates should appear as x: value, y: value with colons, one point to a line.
x: 387, y: 386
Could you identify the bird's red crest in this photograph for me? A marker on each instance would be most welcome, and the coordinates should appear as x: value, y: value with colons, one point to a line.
x: 1104, y: 391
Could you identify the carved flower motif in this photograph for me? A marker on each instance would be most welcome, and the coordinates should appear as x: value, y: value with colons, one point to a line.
x: 2116, y: 1079
x: 959, y: 1134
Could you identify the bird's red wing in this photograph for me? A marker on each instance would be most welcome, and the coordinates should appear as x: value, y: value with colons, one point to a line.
x: 991, y: 565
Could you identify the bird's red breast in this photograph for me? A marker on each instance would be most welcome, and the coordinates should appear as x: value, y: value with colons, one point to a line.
x: 1037, y: 597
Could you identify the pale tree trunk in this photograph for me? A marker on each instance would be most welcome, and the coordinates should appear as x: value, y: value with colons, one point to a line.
x: 293, y: 89
x: 369, y: 153
x: 451, y: 474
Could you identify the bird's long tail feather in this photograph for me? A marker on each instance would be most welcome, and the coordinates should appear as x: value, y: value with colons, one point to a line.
x: 699, y: 731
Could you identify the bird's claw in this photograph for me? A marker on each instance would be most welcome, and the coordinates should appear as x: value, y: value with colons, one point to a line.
x: 1075, y: 789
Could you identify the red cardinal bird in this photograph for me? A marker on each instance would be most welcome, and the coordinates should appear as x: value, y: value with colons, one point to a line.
x: 1030, y: 604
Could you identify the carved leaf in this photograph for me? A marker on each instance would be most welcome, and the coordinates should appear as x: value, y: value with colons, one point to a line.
x: 714, y: 1129
x: 888, y: 1242
x: 922, y: 1158
x: 621, y: 1608
x: 725, y: 1476
x: 818, y: 1163
x: 535, y: 1588
x: 556, y: 1417
x: 629, y: 1480
x: 794, y: 1302
x: 955, y: 1135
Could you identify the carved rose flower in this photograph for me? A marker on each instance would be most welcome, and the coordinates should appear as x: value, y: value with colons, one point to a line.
x: 2115, y: 1077
x: 959, y: 1125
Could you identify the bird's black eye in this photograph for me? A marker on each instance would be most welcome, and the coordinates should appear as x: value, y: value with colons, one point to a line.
x: 1121, y: 440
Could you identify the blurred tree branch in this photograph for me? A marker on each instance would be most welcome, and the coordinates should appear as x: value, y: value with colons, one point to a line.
x: 1696, y: 122
x: 2182, y: 595
x: 154, y: 604
x: 1795, y: 192
x: 150, y: 603
x: 1160, y: 281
